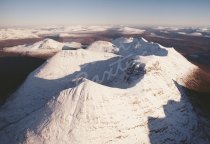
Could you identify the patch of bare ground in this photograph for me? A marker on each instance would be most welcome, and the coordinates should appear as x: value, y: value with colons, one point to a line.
x: 199, y: 80
x: 198, y: 89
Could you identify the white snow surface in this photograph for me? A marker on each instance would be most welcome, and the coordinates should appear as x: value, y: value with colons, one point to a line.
x: 63, y: 31
x: 191, y: 34
x: 188, y: 31
x: 46, y: 44
x: 16, y: 33
x: 95, y: 96
x: 103, y: 46
x: 128, y: 30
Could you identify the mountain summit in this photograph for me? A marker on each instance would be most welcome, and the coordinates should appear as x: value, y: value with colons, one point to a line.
x: 127, y: 91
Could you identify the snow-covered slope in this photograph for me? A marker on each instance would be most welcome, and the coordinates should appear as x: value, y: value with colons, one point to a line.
x: 135, y: 46
x: 43, y: 49
x: 103, y: 46
x: 91, y: 96
x: 46, y: 44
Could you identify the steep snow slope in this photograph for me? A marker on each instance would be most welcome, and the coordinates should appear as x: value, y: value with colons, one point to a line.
x: 133, y: 96
x: 161, y: 57
x: 135, y: 46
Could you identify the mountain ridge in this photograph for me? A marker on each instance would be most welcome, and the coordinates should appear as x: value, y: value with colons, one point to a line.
x: 90, y: 96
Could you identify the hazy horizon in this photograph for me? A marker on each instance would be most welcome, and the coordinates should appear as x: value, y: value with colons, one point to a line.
x: 184, y: 13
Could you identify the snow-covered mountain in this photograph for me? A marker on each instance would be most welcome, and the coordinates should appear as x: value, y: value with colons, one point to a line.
x: 46, y: 44
x: 103, y: 46
x: 52, y: 44
x: 63, y: 31
x: 127, y: 91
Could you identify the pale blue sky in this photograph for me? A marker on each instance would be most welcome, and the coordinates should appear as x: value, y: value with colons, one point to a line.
x: 95, y: 12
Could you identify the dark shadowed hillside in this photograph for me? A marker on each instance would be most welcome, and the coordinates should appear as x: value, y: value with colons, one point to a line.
x: 13, y: 71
